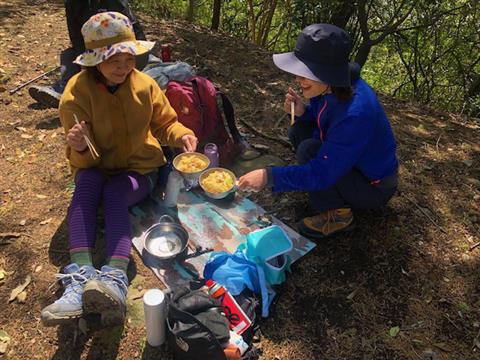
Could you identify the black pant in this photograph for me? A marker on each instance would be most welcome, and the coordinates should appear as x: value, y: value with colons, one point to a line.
x: 77, y: 13
x: 353, y: 190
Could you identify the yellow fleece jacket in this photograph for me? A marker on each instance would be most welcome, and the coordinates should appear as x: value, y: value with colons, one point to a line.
x: 124, y: 126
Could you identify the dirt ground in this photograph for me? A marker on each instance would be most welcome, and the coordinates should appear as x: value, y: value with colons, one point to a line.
x: 403, y: 285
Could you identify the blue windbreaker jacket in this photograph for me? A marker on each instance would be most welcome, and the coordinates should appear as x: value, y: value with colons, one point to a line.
x: 355, y: 134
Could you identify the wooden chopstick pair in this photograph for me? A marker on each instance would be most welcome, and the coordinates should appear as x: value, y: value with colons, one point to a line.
x: 292, y: 113
x: 90, y: 146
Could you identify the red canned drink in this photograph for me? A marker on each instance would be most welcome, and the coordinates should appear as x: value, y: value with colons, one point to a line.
x: 166, y: 53
x: 238, y: 320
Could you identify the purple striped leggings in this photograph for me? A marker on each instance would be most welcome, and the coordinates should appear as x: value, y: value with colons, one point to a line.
x: 116, y: 193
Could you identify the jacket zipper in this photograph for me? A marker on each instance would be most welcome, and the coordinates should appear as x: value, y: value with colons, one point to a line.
x: 318, y: 119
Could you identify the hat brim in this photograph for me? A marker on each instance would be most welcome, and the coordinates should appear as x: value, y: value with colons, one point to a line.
x: 96, y: 56
x: 290, y: 63
x: 333, y: 75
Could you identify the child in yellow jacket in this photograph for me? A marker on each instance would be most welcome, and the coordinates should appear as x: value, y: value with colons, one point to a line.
x: 123, y: 112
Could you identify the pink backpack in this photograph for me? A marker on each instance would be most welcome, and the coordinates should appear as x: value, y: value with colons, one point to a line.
x: 197, y: 103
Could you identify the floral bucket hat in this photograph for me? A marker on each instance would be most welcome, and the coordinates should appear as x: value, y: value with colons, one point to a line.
x: 106, y: 34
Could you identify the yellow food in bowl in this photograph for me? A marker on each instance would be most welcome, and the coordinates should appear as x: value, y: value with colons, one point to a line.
x: 217, y: 182
x: 191, y: 164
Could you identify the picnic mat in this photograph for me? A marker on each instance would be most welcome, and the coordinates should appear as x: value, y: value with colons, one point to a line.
x: 217, y: 224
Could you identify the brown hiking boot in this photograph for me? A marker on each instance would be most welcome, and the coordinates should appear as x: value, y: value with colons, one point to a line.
x: 327, y: 223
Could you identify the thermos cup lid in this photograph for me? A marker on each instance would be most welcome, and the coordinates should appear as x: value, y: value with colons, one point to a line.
x: 153, y: 297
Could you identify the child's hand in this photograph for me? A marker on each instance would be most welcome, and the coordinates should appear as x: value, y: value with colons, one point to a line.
x: 189, y: 143
x: 254, y: 180
x: 290, y: 97
x: 75, y: 137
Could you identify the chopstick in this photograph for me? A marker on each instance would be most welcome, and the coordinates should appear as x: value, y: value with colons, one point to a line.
x: 90, y: 146
x: 292, y: 113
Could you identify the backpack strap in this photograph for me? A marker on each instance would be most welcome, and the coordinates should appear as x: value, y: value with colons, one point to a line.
x: 229, y: 116
x: 196, y: 93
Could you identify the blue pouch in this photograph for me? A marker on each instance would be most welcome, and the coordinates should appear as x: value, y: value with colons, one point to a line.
x: 269, y: 248
x: 236, y: 272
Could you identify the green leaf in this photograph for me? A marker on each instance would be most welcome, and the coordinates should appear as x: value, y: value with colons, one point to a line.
x: 394, y: 331
x: 463, y: 307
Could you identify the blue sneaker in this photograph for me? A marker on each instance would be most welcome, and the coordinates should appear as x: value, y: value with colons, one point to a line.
x: 106, y: 295
x: 69, y: 306
x: 48, y: 96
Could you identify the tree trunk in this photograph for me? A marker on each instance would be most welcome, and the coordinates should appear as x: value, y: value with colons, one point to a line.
x: 268, y: 23
x: 252, y: 26
x: 191, y: 10
x: 363, y: 52
x: 217, y: 7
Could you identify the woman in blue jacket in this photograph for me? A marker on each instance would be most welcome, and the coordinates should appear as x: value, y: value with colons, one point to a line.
x: 344, y: 144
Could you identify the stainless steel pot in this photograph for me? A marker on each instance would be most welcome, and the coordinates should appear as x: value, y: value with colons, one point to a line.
x: 166, y: 241
x: 190, y: 176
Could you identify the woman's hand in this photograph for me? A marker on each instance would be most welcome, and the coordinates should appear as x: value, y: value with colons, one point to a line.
x: 189, y: 143
x: 290, y: 97
x: 253, y: 181
x: 75, y: 137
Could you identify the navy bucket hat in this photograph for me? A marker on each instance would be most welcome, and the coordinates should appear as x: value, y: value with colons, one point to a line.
x: 321, y: 54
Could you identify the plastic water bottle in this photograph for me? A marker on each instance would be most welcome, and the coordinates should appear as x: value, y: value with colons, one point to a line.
x: 211, y: 151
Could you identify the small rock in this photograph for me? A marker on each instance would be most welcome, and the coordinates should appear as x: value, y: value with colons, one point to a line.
x: 429, y: 355
x: 466, y: 257
x: 473, y: 181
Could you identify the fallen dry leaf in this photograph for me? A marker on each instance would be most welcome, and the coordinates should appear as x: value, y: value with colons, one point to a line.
x: 10, y: 235
x: 45, y: 222
x: 4, y: 341
x: 6, y: 238
x: 22, y: 297
x: 40, y: 196
x: 15, y: 292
